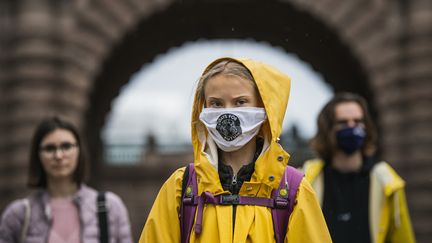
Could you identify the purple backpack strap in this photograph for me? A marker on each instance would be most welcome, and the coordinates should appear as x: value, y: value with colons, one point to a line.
x: 282, y: 202
x: 285, y: 198
x: 188, y: 206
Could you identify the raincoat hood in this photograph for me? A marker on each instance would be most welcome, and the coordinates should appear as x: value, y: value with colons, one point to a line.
x: 274, y: 88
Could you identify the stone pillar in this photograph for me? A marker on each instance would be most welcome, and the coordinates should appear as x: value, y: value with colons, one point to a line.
x: 405, y: 105
x: 6, y: 26
x: 416, y: 64
x: 33, y: 84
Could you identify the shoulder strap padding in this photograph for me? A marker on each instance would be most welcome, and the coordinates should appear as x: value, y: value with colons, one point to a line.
x: 102, y: 217
x: 188, y: 208
x: 26, y: 224
x: 290, y: 181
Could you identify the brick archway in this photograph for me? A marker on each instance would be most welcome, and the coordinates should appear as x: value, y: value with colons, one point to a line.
x: 310, y: 39
x: 71, y: 58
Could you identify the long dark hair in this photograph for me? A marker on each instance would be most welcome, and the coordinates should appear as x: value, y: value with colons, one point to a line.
x: 324, y: 142
x: 37, y: 176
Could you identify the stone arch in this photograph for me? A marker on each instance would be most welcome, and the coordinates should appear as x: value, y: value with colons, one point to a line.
x: 54, y: 57
x: 310, y: 40
x: 372, y: 40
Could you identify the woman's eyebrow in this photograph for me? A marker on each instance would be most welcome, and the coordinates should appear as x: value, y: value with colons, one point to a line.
x: 242, y: 96
x: 214, y: 98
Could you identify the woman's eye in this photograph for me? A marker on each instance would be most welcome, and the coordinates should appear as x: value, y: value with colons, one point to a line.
x: 215, y: 104
x: 342, y: 122
x: 241, y: 102
x: 359, y: 121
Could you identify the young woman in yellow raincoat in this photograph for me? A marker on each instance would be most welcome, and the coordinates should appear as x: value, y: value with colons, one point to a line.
x: 247, y: 161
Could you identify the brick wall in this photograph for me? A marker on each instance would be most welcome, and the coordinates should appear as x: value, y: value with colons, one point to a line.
x: 72, y: 57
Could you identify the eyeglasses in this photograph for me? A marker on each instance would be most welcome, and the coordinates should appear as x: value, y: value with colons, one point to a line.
x: 51, y: 149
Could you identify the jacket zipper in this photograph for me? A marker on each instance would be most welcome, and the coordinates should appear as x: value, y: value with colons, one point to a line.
x: 234, y: 181
x: 233, y: 184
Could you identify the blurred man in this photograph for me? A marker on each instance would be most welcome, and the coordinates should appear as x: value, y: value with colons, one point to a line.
x: 362, y: 200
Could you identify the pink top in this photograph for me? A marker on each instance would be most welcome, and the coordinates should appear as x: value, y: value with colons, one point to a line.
x: 65, y: 221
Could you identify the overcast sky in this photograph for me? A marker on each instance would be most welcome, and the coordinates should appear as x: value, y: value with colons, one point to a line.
x: 159, y: 97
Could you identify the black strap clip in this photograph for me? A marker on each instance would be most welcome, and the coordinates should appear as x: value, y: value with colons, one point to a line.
x: 229, y: 199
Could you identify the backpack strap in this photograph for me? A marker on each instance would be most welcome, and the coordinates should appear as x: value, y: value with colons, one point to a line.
x: 188, y: 206
x: 26, y: 223
x: 282, y: 202
x: 102, y: 217
x: 285, y: 199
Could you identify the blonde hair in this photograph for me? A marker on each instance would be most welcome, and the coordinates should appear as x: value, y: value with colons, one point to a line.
x: 224, y: 66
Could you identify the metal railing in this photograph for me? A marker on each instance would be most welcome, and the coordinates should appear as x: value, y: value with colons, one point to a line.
x: 127, y: 154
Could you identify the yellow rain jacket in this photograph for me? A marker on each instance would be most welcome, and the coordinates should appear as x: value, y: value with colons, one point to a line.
x: 389, y: 219
x: 252, y: 223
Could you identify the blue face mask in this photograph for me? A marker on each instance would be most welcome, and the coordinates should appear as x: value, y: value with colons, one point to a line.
x: 350, y: 139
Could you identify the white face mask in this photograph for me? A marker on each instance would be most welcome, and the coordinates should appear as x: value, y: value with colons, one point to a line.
x: 232, y: 128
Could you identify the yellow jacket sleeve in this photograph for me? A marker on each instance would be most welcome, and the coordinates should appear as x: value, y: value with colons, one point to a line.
x: 163, y: 223
x: 307, y: 223
x: 401, y: 230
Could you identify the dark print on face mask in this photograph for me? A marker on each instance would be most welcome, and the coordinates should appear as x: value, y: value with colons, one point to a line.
x: 228, y: 126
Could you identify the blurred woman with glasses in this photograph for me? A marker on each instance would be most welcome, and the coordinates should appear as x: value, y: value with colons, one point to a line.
x: 63, y: 209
